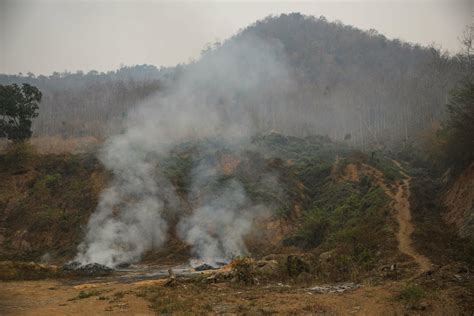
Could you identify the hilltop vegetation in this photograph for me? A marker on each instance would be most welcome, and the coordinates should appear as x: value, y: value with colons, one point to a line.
x: 342, y: 81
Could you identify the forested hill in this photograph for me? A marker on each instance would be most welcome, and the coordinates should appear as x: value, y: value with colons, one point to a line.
x: 359, y: 82
x: 348, y: 81
x: 83, y: 104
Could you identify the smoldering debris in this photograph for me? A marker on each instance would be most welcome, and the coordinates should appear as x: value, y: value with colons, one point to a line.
x: 91, y: 269
x: 205, y: 267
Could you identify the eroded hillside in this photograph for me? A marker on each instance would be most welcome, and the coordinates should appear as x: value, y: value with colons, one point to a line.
x: 45, y: 202
x: 305, y: 183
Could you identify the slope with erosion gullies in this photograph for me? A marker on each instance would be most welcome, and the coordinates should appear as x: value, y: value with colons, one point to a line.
x: 316, y: 205
x: 459, y: 200
x: 45, y: 202
x: 442, y: 213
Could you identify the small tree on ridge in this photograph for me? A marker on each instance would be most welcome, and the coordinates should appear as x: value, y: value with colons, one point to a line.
x: 18, y: 106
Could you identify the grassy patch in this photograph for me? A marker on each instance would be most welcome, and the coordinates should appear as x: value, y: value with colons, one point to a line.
x: 166, y: 302
x: 351, y: 219
x: 389, y: 169
x: 86, y: 294
x: 411, y: 294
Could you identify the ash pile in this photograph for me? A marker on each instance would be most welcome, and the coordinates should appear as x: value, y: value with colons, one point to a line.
x: 335, y: 288
x: 90, y: 269
x: 199, y: 265
x: 205, y: 266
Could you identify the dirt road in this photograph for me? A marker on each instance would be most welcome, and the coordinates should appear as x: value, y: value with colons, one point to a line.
x: 403, y: 215
x: 400, y: 196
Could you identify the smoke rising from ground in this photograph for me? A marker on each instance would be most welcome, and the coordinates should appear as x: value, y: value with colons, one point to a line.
x: 223, y: 96
x: 216, y: 229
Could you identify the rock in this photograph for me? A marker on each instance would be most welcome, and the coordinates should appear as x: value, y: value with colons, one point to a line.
x: 457, y: 277
x: 266, y: 267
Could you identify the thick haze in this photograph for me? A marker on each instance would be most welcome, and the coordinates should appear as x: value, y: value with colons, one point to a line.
x: 46, y: 36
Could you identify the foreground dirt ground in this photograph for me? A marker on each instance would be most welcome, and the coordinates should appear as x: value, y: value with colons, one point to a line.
x: 52, y: 297
x: 61, y: 297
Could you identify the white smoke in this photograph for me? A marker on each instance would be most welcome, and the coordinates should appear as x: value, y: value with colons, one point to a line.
x: 216, y: 229
x: 219, y: 97
x: 221, y: 219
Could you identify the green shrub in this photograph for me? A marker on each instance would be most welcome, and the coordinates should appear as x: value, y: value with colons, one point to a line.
x: 390, y: 171
x: 312, y: 231
x: 86, y: 294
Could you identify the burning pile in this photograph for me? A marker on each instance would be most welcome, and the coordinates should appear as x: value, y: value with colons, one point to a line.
x: 91, y: 269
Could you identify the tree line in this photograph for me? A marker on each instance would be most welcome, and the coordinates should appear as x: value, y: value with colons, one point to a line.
x: 350, y: 84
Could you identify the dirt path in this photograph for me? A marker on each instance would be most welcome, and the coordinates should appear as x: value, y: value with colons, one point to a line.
x: 401, y: 205
x: 403, y: 216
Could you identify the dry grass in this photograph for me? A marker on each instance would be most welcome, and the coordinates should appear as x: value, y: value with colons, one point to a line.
x: 59, y: 145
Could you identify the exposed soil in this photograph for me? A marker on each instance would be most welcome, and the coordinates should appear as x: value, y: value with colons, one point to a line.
x: 403, y: 215
x: 459, y: 201
x: 146, y: 297
x: 400, y: 194
x: 47, y: 297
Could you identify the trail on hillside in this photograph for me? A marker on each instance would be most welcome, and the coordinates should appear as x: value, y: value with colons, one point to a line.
x: 401, y: 205
x: 403, y: 216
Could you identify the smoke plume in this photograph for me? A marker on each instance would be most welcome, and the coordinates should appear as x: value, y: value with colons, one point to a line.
x: 223, y: 96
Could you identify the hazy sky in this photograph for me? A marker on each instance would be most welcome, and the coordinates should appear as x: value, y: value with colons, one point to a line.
x: 45, y: 36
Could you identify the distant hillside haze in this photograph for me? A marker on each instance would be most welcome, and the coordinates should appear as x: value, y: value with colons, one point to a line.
x: 351, y: 81
x: 341, y: 81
